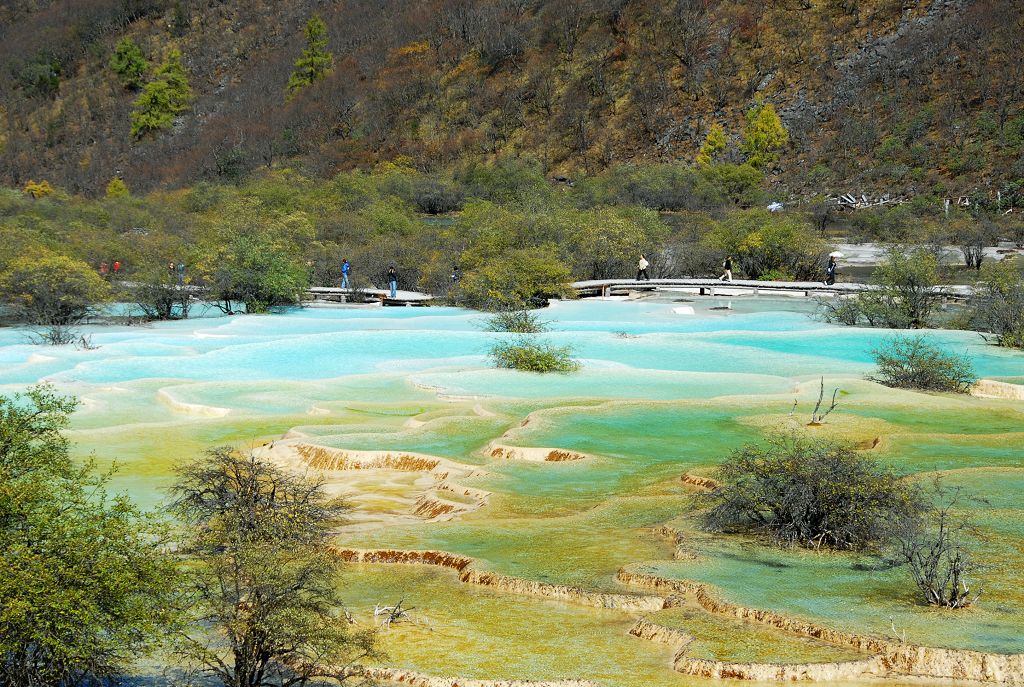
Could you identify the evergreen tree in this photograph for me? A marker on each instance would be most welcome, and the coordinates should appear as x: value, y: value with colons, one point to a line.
x: 128, y: 63
x: 117, y: 188
x: 315, y: 62
x: 163, y: 98
x: 763, y: 135
x: 713, y: 145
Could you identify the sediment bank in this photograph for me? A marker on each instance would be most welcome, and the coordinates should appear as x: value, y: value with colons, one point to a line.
x: 505, y: 583
x: 414, y: 679
x: 704, y: 483
x: 534, y: 454
x: 887, y: 657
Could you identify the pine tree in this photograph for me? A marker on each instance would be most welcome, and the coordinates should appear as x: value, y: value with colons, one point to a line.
x: 315, y: 62
x: 128, y: 63
x: 714, y: 145
x: 117, y: 188
x: 763, y: 135
x: 163, y: 98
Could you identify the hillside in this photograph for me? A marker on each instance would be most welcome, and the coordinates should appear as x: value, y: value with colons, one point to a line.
x: 907, y: 97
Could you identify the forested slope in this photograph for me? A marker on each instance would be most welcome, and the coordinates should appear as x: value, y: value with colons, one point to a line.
x: 922, y: 97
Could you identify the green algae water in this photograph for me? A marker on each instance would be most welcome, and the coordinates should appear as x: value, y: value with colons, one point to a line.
x: 664, y: 390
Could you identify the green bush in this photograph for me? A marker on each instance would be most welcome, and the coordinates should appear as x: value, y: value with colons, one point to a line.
x: 904, y: 297
x: 998, y: 304
x: 769, y: 244
x: 810, y: 492
x: 840, y: 310
x: 436, y: 197
x: 258, y: 272
x: 508, y: 180
x: 533, y: 356
x: 128, y: 63
x: 52, y: 290
x: 914, y: 363
x: 516, y: 322
x: 672, y: 186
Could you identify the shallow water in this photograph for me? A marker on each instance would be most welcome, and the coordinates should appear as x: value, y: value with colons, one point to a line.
x: 661, y: 393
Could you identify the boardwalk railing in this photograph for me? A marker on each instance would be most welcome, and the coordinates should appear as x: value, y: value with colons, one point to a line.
x: 711, y: 287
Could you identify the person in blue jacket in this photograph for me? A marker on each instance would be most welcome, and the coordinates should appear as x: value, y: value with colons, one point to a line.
x: 345, y: 267
x: 393, y: 281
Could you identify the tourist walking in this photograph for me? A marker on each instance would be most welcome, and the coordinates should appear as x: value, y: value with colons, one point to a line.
x: 393, y: 281
x: 641, y: 269
x: 179, y: 271
x: 727, y: 267
x: 830, y: 271
x: 345, y: 268
x: 117, y: 267
x: 104, y: 270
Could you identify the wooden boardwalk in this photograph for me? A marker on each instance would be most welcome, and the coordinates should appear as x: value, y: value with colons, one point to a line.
x: 713, y: 287
x: 327, y: 295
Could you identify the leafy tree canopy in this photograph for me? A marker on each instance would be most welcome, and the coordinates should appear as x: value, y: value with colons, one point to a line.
x: 50, y: 289
x: 86, y: 585
x: 128, y: 63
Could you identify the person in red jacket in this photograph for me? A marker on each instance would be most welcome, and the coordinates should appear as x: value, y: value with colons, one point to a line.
x: 117, y: 266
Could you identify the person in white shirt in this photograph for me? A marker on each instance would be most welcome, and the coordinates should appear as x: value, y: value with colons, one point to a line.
x: 641, y: 269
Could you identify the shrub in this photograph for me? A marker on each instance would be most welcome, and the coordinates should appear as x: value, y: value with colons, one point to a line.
x: 934, y: 547
x: 38, y: 189
x: 516, y: 322
x: 117, y: 188
x: 766, y: 243
x: 40, y: 77
x: 128, y: 63
x: 904, y: 297
x: 52, y: 290
x: 998, y: 306
x: 435, y: 197
x: 846, y: 311
x: 533, y: 356
x: 810, y: 492
x: 258, y: 272
x: 913, y: 363
x: 514, y: 279
x: 907, y: 282
x: 507, y: 180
